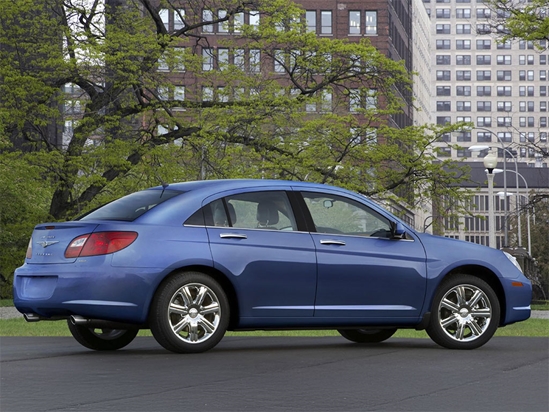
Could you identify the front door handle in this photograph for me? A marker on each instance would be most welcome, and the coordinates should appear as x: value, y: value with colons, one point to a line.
x: 232, y: 236
x: 332, y: 242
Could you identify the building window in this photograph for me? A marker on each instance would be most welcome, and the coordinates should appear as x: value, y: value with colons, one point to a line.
x: 484, y: 90
x: 543, y: 75
x: 255, y: 60
x: 463, y: 106
x: 464, y: 137
x: 207, y: 15
x: 484, y: 121
x: 506, y: 137
x: 310, y: 17
x: 462, y: 29
x: 484, y: 59
x: 503, y: 60
x: 504, y: 90
x: 443, y: 13
x: 207, y: 93
x: 483, y: 29
x: 463, y: 90
x: 506, y: 45
x: 483, y: 13
x: 207, y: 59
x: 463, y: 75
x: 326, y: 22
x: 542, y: 106
x: 505, y: 106
x: 463, y: 13
x: 463, y: 45
x: 165, y: 17
x: 484, y: 75
x: 443, y: 44
x: 443, y: 91
x: 354, y: 22
x: 443, y: 29
x: 178, y: 19
x: 484, y: 137
x: 504, y: 121
x: 443, y: 59
x: 443, y: 75
x: 484, y: 44
x: 463, y: 60
x: 254, y: 18
x: 371, y: 22
x: 444, y: 120
x: 444, y: 106
x: 504, y: 75
x: 484, y: 106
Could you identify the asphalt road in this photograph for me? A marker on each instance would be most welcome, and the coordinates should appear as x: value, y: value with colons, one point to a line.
x: 275, y: 374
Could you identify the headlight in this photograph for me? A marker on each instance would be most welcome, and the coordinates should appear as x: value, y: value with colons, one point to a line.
x: 513, y: 261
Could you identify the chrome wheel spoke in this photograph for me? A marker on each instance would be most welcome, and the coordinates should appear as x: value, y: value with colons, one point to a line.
x: 193, y: 332
x: 481, y: 313
x: 185, y: 294
x: 180, y: 325
x: 448, y: 304
x: 200, y: 296
x: 178, y: 309
x: 448, y: 321
x: 461, y: 295
x: 475, y: 298
x: 460, y: 331
x: 207, y: 325
x: 210, y: 309
x: 475, y: 328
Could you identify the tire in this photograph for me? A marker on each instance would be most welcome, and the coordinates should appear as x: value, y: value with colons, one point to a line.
x: 367, y: 335
x: 189, y: 313
x: 465, y: 313
x: 102, y: 339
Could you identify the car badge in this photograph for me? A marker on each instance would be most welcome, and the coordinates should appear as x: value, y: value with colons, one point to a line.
x: 47, y: 243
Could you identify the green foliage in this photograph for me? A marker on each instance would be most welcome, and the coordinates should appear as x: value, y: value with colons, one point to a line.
x: 24, y: 201
x: 525, y: 21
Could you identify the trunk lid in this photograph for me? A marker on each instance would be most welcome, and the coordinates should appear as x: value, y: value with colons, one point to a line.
x: 50, y: 240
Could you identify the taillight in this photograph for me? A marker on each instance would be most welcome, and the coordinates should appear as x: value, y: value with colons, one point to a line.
x: 99, y: 243
x: 29, y: 249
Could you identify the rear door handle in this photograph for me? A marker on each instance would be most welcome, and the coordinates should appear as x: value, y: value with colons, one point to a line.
x: 332, y: 242
x: 232, y: 236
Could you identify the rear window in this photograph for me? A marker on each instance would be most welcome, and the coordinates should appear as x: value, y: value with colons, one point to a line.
x: 130, y: 207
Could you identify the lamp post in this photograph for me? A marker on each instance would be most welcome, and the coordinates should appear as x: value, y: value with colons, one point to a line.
x: 505, y: 229
x: 490, y: 162
x: 527, y: 213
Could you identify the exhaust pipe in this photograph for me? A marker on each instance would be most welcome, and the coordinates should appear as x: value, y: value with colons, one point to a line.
x: 100, y: 323
x: 33, y: 317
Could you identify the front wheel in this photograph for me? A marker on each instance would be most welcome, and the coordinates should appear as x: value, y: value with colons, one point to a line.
x: 367, y: 335
x: 102, y: 339
x: 189, y: 313
x: 465, y: 313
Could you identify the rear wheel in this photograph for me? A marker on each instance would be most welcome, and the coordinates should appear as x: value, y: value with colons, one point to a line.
x: 102, y: 339
x: 465, y: 313
x: 367, y: 335
x: 189, y: 313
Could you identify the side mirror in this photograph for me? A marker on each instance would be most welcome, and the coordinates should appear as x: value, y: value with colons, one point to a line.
x: 399, y: 231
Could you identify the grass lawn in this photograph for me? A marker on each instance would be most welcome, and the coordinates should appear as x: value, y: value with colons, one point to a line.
x: 19, y: 327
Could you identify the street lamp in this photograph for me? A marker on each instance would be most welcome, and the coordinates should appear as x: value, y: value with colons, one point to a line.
x: 527, y: 213
x: 490, y: 163
x: 506, y: 237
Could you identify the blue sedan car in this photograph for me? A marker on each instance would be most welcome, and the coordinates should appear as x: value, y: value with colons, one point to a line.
x: 190, y: 261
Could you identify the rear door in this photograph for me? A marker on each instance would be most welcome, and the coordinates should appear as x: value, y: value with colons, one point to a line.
x: 362, y: 272
x: 255, y: 238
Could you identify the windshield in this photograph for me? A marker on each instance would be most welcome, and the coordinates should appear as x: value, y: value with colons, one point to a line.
x: 130, y: 207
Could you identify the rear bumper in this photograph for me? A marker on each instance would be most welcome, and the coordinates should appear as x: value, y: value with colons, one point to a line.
x: 102, y: 292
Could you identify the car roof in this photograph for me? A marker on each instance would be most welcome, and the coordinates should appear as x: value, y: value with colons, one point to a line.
x: 228, y: 184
